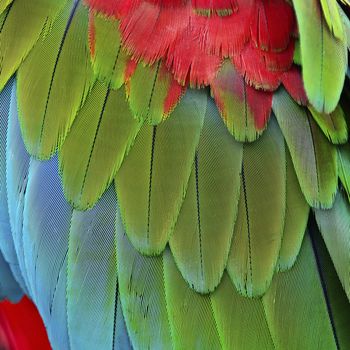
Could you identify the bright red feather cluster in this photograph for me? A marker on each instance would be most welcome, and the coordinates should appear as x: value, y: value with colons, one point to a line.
x: 193, y: 37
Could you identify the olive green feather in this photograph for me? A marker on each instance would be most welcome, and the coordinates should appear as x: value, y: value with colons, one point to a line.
x: 209, y: 211
x: 153, y: 92
x: 333, y: 125
x: 142, y: 292
x: 152, y: 181
x: 344, y: 167
x: 96, y: 145
x: 109, y: 60
x: 295, y: 306
x: 241, y: 321
x: 191, y: 315
x: 334, y: 225
x: 297, y: 213
x: 259, y: 227
x: 314, y: 157
x: 22, y: 28
x: 54, y: 81
x: 324, y: 58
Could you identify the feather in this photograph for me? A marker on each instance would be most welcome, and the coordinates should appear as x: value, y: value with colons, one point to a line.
x: 142, y: 294
x: 313, y: 156
x: 53, y: 82
x: 293, y: 83
x: 244, y: 109
x: 191, y: 316
x: 17, y: 163
x: 344, y: 167
x: 259, y: 227
x: 334, y: 225
x: 333, y: 125
x: 46, y: 222
x: 298, y: 295
x: 92, y: 289
x: 4, y: 4
x: 109, y: 59
x: 297, y: 213
x: 153, y: 92
x: 209, y: 211
x: 100, y: 137
x: 333, y: 18
x: 9, y: 288
x: 152, y: 181
x: 323, y: 57
x: 17, y: 40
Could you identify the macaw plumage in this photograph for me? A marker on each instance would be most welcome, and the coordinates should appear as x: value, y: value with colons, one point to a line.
x: 164, y: 166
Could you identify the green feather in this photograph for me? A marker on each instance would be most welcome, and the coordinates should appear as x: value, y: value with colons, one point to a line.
x: 324, y: 58
x: 53, y: 83
x: 22, y: 28
x: 259, y: 226
x: 333, y: 18
x: 297, y: 53
x: 96, y: 145
x: 334, y: 225
x: 297, y: 213
x: 344, y: 167
x: 295, y: 306
x: 150, y: 87
x: 109, y: 59
x: 241, y: 321
x: 152, y: 182
x: 142, y: 291
x: 209, y: 211
x: 4, y: 4
x: 333, y: 125
x: 191, y: 316
x: 314, y: 157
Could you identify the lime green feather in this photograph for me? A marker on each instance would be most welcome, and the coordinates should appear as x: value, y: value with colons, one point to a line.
x: 344, y: 167
x: 324, y: 58
x: 209, y: 211
x: 297, y: 53
x: 22, y: 28
x: 191, y: 316
x: 333, y: 125
x: 53, y: 82
x: 109, y: 60
x: 259, y: 226
x: 297, y: 213
x: 295, y: 306
x: 346, y: 23
x: 96, y: 145
x: 334, y: 225
x: 333, y: 18
x: 142, y: 292
x: 314, y: 157
x: 4, y: 4
x: 152, y: 182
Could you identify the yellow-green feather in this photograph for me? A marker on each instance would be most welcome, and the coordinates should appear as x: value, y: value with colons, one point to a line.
x: 23, y: 26
x: 109, y: 60
x: 152, y: 182
x: 53, y: 82
x: 259, y: 227
x: 323, y: 57
x: 344, y: 167
x: 4, y: 4
x: 333, y: 125
x: 96, y: 145
x: 209, y: 211
x: 314, y: 157
x: 333, y: 18
x: 297, y: 213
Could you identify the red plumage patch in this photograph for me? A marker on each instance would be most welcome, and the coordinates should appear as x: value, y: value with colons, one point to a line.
x: 256, y: 34
x: 293, y: 83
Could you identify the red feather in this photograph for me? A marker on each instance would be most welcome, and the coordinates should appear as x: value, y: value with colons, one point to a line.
x: 293, y: 83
